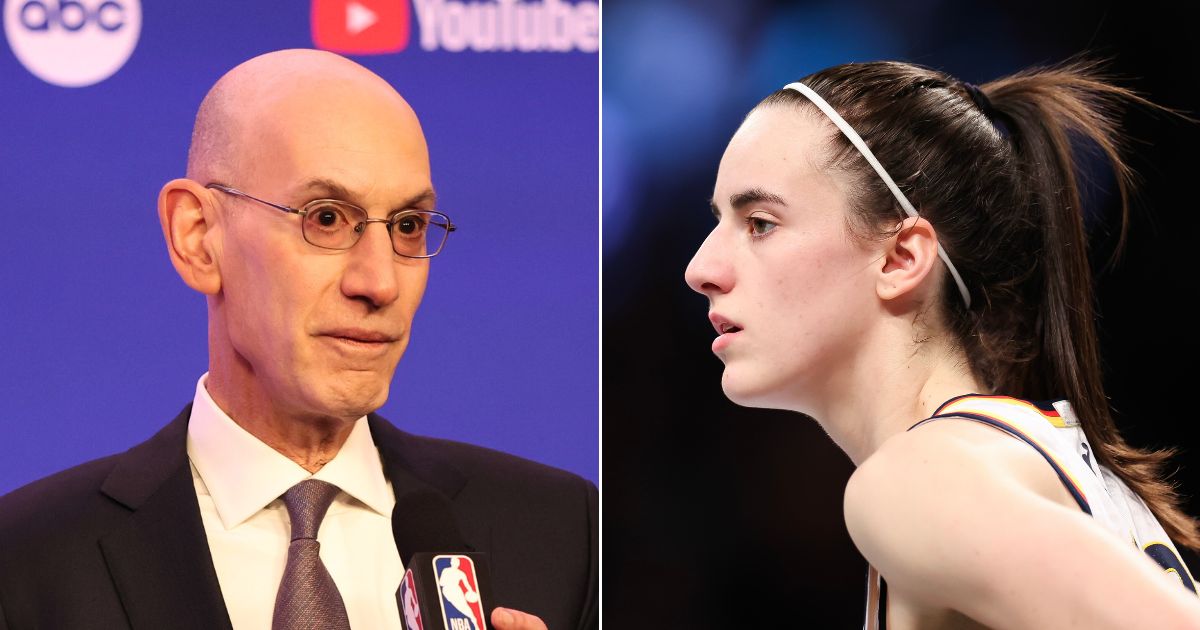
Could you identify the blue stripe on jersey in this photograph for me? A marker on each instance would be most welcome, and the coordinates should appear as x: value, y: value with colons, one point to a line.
x: 1062, y: 475
x: 1167, y: 559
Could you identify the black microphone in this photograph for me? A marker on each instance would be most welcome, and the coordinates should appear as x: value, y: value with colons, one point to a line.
x: 446, y: 585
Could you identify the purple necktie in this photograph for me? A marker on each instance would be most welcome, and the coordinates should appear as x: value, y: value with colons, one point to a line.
x: 308, y: 598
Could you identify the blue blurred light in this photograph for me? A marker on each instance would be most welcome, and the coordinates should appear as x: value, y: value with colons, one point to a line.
x: 619, y: 167
x: 801, y: 40
x: 668, y: 66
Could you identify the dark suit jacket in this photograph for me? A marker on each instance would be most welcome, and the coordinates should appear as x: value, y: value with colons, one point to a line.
x: 118, y: 542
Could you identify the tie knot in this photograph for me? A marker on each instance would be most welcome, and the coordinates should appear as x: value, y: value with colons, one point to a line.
x: 307, y: 503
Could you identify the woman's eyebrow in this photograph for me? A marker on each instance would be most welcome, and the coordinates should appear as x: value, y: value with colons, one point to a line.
x: 740, y: 200
x: 752, y: 196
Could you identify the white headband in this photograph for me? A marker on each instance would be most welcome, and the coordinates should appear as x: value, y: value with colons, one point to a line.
x: 858, y: 143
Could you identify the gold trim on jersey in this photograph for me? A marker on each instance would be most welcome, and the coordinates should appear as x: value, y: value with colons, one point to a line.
x: 1053, y: 417
x: 963, y: 405
x: 1170, y: 546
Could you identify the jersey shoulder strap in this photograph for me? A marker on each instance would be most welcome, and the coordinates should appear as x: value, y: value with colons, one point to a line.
x: 1051, y: 428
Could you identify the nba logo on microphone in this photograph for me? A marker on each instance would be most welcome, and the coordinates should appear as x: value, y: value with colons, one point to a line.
x: 408, y: 597
x: 360, y: 27
x: 458, y: 592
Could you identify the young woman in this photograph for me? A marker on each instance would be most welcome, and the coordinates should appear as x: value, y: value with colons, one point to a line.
x: 902, y: 256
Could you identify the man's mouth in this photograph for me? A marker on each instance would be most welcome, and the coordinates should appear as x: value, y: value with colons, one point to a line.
x: 360, y: 335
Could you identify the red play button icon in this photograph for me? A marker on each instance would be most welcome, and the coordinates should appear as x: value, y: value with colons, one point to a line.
x: 360, y: 27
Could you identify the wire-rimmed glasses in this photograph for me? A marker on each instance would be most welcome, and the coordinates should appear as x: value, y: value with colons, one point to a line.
x: 336, y: 224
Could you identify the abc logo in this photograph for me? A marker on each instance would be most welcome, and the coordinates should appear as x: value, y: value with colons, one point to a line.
x: 73, y: 43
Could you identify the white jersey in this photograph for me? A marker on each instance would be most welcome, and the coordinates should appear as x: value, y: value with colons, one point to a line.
x: 1053, y: 430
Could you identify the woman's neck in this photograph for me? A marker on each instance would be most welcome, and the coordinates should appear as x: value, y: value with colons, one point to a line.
x: 892, y: 389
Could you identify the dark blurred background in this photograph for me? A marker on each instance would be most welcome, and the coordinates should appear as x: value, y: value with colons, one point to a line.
x: 718, y: 516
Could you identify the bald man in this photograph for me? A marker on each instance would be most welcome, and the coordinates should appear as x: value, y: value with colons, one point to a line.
x: 308, y: 220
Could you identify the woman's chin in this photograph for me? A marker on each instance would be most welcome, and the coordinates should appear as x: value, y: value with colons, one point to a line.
x: 751, y: 392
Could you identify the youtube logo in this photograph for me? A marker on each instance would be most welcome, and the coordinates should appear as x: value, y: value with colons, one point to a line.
x: 360, y: 27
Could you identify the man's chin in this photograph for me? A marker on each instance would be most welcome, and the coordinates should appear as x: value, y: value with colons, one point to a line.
x: 353, y: 398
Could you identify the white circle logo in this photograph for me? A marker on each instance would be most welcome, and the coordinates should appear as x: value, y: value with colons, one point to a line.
x: 73, y: 43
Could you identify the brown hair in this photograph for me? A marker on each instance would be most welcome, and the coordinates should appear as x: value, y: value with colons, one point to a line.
x: 1000, y: 187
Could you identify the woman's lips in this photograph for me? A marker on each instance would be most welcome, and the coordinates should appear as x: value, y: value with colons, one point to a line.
x: 726, y: 329
x: 723, y: 324
x: 722, y: 341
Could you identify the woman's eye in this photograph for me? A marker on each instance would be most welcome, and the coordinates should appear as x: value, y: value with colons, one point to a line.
x: 759, y: 226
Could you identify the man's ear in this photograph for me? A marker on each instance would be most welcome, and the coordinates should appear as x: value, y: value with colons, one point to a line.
x: 187, y: 216
x: 909, y: 258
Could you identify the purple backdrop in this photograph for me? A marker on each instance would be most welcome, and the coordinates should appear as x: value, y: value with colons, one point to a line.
x: 101, y: 343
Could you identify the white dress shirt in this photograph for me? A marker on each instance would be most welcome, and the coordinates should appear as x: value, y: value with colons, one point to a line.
x: 239, y: 482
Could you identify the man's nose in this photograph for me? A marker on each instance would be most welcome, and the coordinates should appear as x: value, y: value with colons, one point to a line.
x: 709, y: 272
x: 371, y: 270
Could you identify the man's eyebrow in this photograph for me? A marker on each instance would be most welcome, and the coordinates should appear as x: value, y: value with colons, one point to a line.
x: 425, y: 196
x: 328, y: 188
x: 325, y: 188
x: 739, y: 201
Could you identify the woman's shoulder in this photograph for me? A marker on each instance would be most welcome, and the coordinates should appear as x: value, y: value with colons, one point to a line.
x: 927, y: 470
x: 927, y: 507
x: 956, y: 459
x: 957, y: 515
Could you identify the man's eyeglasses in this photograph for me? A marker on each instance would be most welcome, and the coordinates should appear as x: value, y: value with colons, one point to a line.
x: 334, y: 224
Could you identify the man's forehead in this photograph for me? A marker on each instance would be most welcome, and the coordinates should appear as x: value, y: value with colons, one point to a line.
x: 366, y: 151
x: 301, y: 101
x: 303, y: 88
x: 289, y: 72
x: 332, y: 188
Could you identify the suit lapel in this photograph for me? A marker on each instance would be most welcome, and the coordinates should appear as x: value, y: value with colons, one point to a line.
x: 159, y: 559
x: 412, y: 466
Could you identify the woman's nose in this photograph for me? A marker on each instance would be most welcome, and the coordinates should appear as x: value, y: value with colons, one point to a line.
x: 709, y: 271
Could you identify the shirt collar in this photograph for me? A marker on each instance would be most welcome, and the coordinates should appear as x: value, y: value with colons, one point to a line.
x: 243, y: 474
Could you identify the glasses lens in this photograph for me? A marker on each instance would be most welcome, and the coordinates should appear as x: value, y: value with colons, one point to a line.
x: 419, y: 233
x: 333, y: 225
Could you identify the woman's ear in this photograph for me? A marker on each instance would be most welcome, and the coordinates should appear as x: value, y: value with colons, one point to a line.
x: 908, y: 259
x: 187, y: 218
